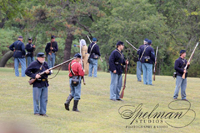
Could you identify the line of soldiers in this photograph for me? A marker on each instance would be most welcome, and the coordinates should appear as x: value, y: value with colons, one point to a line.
x: 20, y: 54
x: 76, y: 71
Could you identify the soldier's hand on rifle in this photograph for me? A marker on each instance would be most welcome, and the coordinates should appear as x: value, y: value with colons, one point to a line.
x: 33, y: 46
x: 37, y: 76
x: 188, y: 63
x: 126, y: 62
x: 114, y: 71
x: 51, y: 48
x: 47, y: 71
x: 184, y: 71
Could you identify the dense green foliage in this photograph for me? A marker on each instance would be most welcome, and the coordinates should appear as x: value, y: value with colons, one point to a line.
x: 171, y: 24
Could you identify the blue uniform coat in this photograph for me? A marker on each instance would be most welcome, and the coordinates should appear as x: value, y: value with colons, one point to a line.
x: 33, y: 69
x: 95, y: 50
x: 148, y: 52
x: 116, y: 61
x: 19, y: 48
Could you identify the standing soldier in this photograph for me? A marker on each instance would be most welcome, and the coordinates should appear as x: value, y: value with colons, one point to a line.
x: 40, y: 86
x: 30, y: 49
x: 147, y: 57
x: 116, y: 63
x: 94, y: 52
x: 75, y: 74
x: 139, y: 64
x: 19, y: 56
x: 51, y: 49
x: 180, y: 63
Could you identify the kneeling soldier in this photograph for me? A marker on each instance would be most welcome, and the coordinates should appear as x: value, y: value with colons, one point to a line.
x: 75, y: 74
x: 40, y: 86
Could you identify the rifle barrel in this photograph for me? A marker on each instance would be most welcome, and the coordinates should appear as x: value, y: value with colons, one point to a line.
x: 132, y: 45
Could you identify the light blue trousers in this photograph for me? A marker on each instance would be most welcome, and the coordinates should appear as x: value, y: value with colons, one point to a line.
x: 180, y: 83
x: 93, y: 64
x: 29, y: 60
x: 147, y: 73
x: 75, y: 90
x: 115, y: 86
x: 139, y: 70
x: 40, y: 98
x: 51, y: 60
x: 23, y: 66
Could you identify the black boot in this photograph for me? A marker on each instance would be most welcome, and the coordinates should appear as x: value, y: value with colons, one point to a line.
x: 70, y: 97
x: 75, y: 108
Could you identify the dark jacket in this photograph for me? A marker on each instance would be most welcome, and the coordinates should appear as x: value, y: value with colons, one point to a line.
x: 95, y: 50
x: 19, y: 49
x: 29, y: 48
x: 179, y: 66
x: 138, y: 52
x: 33, y: 69
x: 149, y: 52
x: 54, y: 45
x: 116, y: 61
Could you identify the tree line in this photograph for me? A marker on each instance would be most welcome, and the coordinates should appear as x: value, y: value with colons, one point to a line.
x: 170, y: 24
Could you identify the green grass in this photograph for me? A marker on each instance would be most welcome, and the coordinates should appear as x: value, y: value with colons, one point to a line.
x: 98, y: 113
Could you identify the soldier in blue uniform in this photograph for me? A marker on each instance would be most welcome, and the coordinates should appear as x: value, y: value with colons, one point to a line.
x: 19, y: 56
x: 51, y: 49
x: 40, y: 86
x: 180, y: 63
x: 147, y: 57
x: 30, y: 48
x: 94, y: 52
x: 139, y: 64
x: 116, y: 63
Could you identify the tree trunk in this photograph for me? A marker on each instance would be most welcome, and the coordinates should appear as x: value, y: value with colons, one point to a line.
x: 67, y: 51
x: 5, y: 58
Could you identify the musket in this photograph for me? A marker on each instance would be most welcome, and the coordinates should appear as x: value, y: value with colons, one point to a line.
x: 122, y: 93
x: 81, y: 61
x: 132, y: 45
x: 31, y: 81
x: 91, y: 42
x: 185, y: 68
x: 154, y: 69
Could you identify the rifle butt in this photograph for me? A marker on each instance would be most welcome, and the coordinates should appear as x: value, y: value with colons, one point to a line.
x: 154, y: 77
x: 31, y: 81
x: 122, y: 94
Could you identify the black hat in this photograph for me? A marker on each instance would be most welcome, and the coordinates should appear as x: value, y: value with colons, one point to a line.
x: 119, y: 43
x: 40, y: 54
x: 182, y: 51
x: 20, y: 37
x: 29, y: 38
x: 77, y: 55
x: 52, y: 37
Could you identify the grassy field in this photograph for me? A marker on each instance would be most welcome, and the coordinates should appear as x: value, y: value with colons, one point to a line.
x: 98, y: 113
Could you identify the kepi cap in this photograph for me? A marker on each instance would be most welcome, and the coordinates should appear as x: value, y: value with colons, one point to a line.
x: 41, y: 55
x: 77, y: 55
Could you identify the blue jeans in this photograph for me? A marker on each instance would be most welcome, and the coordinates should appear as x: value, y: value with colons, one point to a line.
x: 75, y: 90
x: 29, y: 60
x: 139, y: 70
x: 180, y: 83
x: 147, y: 73
x: 23, y: 66
x: 93, y: 64
x: 115, y: 86
x: 51, y: 60
x: 40, y: 98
